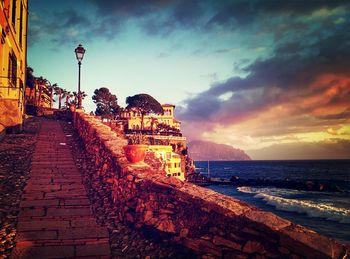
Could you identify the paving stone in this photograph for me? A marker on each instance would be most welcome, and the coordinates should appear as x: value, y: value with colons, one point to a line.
x: 68, y: 211
x: 29, y: 212
x: 43, y: 252
x: 36, y: 235
x: 40, y: 203
x: 55, y: 220
x: 84, y: 222
x: 71, y: 202
x: 43, y: 224
x: 83, y: 232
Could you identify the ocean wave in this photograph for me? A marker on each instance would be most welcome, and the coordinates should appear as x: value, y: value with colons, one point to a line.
x: 321, y: 209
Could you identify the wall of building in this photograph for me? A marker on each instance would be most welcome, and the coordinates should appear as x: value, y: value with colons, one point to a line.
x: 13, y: 49
x: 211, y: 224
x: 151, y: 121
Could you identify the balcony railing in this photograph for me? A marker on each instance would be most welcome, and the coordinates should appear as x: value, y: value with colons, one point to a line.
x: 11, y: 87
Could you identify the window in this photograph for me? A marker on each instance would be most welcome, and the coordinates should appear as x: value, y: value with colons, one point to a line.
x: 12, y: 69
x: 14, y: 12
x: 21, y: 24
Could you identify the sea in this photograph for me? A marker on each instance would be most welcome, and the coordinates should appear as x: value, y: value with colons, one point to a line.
x: 327, y: 213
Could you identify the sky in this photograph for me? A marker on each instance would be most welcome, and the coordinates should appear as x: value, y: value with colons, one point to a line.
x: 266, y: 76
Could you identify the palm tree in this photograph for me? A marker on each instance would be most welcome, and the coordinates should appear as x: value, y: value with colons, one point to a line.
x: 40, y: 81
x: 60, y: 92
x: 82, y: 96
x: 75, y: 101
x: 68, y: 95
x: 76, y: 96
x: 51, y: 89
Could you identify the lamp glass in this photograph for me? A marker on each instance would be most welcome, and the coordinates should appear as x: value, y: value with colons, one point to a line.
x: 79, y: 52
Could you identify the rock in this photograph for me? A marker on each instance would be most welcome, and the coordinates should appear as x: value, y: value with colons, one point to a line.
x: 166, y: 226
x: 253, y: 247
x: 225, y: 242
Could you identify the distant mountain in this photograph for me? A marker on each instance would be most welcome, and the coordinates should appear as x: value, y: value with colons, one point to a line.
x: 205, y: 150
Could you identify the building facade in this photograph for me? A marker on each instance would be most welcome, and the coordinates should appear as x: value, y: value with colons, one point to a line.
x: 172, y: 162
x: 150, y: 121
x: 13, y: 62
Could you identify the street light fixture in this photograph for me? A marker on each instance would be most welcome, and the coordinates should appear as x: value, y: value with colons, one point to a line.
x: 79, y: 52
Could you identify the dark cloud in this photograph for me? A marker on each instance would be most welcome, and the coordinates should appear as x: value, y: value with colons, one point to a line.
x: 242, y: 12
x: 296, y: 71
x: 105, y: 18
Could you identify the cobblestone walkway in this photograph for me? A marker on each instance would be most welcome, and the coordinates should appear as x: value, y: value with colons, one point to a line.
x: 55, y: 219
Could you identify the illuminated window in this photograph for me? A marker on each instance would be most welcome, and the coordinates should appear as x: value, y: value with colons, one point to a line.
x: 12, y: 70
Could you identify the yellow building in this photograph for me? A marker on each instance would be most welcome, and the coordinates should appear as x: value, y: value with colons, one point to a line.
x: 170, y: 160
x: 13, y: 52
x: 150, y: 121
x: 40, y: 95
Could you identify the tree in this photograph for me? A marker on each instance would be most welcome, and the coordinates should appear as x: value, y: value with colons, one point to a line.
x: 40, y: 81
x: 145, y: 104
x: 68, y: 96
x: 30, y: 78
x: 106, y: 102
x: 51, y: 89
x: 154, y: 121
x: 61, y: 93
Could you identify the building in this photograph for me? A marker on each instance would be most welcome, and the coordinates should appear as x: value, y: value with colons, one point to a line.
x: 13, y: 62
x: 166, y: 142
x: 150, y: 121
x: 40, y: 95
x: 172, y: 162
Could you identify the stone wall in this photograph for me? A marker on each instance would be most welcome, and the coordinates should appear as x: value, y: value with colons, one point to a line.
x: 11, y: 116
x: 211, y: 224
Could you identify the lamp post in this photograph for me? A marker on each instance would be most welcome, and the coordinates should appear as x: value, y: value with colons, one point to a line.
x: 79, y: 52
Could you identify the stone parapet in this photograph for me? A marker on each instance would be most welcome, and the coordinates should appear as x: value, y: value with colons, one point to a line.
x: 207, y: 222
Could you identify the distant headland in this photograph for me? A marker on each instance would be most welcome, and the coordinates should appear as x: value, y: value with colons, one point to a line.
x: 206, y: 150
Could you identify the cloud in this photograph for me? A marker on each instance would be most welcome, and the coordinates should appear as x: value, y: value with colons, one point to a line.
x: 335, y: 149
x: 106, y: 18
x: 302, y: 87
x: 239, y: 13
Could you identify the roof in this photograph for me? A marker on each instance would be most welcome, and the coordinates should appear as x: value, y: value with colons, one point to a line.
x: 168, y: 105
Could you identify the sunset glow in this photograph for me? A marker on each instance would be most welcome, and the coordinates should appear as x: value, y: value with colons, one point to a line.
x: 264, y: 76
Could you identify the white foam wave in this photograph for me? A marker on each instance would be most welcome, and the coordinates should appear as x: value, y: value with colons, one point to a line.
x: 322, y: 209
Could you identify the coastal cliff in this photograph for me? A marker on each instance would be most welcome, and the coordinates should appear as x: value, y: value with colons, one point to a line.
x: 206, y: 150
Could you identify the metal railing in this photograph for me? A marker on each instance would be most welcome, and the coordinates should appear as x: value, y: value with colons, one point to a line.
x: 18, y: 86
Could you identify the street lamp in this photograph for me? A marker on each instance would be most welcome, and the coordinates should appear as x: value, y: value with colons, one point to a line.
x: 79, y: 52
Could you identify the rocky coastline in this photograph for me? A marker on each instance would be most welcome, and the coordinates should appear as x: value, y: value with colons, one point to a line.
x: 309, y: 185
